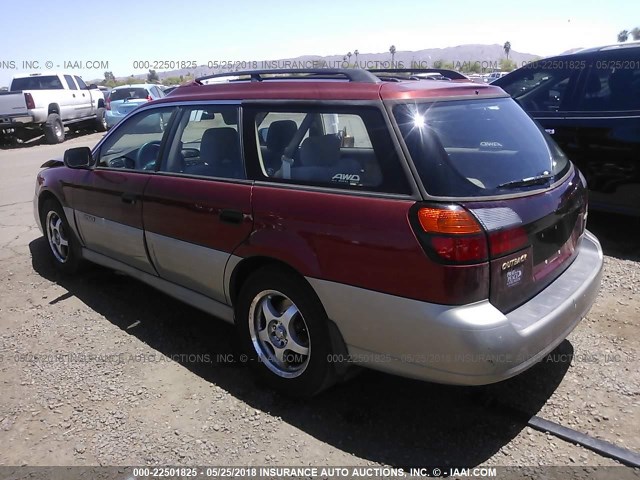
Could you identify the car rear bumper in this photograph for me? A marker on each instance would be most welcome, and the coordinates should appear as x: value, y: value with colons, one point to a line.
x: 113, y: 117
x: 8, y: 122
x: 472, y: 344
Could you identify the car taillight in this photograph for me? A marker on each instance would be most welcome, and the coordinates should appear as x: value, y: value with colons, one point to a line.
x: 149, y: 98
x: 107, y: 104
x: 452, y: 234
x: 29, y: 101
x: 506, y: 241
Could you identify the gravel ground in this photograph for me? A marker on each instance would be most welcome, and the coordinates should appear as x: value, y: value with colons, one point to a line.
x: 102, y: 370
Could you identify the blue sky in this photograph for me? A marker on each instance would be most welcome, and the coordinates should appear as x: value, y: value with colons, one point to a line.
x: 121, y: 32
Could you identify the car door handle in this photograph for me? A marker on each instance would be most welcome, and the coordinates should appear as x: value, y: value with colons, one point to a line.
x: 231, y: 216
x: 74, y: 95
x: 129, y: 198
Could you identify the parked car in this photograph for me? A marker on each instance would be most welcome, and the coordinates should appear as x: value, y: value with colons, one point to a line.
x: 590, y: 102
x: 47, y: 103
x: 126, y: 98
x: 170, y: 89
x: 423, y: 228
x: 493, y: 76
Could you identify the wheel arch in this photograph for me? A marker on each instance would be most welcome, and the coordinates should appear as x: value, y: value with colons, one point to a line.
x: 243, y: 270
x: 53, y: 108
x: 43, y: 197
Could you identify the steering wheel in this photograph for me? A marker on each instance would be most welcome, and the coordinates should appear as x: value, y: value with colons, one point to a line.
x: 147, y: 155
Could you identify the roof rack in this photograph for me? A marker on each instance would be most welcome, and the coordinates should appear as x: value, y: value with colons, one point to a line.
x: 351, y: 74
x: 451, y: 74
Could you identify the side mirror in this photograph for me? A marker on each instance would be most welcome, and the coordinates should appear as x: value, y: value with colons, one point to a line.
x: 79, y: 157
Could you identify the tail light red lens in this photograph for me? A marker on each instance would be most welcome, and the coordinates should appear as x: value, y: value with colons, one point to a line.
x: 107, y: 104
x: 28, y: 99
x: 502, y: 242
x: 461, y: 249
x: 149, y: 98
x: 452, y: 234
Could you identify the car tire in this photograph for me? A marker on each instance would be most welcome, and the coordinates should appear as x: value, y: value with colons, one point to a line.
x: 54, y: 129
x: 101, y: 121
x: 63, y: 246
x: 277, y: 309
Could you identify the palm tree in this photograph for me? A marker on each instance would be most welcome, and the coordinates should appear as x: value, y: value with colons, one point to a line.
x: 623, y: 36
x: 356, y: 53
x: 349, y: 55
x: 392, y: 51
x: 635, y: 33
x: 507, y: 48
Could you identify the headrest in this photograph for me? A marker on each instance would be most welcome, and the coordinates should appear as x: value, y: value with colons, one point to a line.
x: 280, y: 134
x: 220, y: 144
x: 620, y: 81
x: 593, y: 83
x: 322, y: 151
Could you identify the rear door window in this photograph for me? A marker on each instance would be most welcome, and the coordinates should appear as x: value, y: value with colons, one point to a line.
x: 70, y: 82
x: 348, y: 148
x: 129, y: 93
x: 37, y: 82
x: 612, y: 85
x: 480, y: 147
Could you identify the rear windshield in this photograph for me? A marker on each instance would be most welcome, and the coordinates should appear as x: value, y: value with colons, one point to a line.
x: 46, y: 82
x: 123, y: 93
x: 478, y: 147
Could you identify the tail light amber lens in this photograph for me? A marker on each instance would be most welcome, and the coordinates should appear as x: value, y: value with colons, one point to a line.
x: 453, y: 234
x: 450, y: 220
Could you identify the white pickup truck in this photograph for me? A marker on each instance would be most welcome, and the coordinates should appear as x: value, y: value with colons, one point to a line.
x: 47, y: 103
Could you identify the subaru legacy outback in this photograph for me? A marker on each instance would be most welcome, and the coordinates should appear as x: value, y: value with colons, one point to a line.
x: 424, y: 228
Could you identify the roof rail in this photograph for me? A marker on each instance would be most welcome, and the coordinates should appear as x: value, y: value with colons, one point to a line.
x: 351, y: 74
x: 452, y: 74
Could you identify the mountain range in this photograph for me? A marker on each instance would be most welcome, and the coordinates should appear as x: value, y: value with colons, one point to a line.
x: 487, y: 56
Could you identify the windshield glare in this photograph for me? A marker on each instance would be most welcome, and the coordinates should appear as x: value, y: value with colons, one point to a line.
x: 478, y: 147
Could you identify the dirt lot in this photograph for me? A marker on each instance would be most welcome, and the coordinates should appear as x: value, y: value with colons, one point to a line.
x: 143, y: 379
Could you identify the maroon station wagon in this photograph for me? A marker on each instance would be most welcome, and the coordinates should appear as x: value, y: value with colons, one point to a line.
x: 426, y: 228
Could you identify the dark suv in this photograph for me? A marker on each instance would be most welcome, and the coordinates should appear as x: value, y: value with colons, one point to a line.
x: 425, y: 228
x: 590, y: 102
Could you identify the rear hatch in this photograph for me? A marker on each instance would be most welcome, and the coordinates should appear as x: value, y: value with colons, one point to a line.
x: 489, y: 157
x: 124, y: 100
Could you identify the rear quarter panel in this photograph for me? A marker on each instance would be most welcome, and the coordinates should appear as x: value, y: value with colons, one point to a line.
x: 362, y: 241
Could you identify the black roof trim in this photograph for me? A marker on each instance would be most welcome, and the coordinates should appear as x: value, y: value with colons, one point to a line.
x: 351, y: 74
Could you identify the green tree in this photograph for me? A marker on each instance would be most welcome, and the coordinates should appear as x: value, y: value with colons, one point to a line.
x: 356, y: 53
x: 623, y: 36
x: 152, y: 76
x: 507, y: 65
x: 507, y: 48
x: 392, y: 51
x: 635, y: 33
x: 438, y: 64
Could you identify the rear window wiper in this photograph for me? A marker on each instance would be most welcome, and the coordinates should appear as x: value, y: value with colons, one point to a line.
x: 525, y: 182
